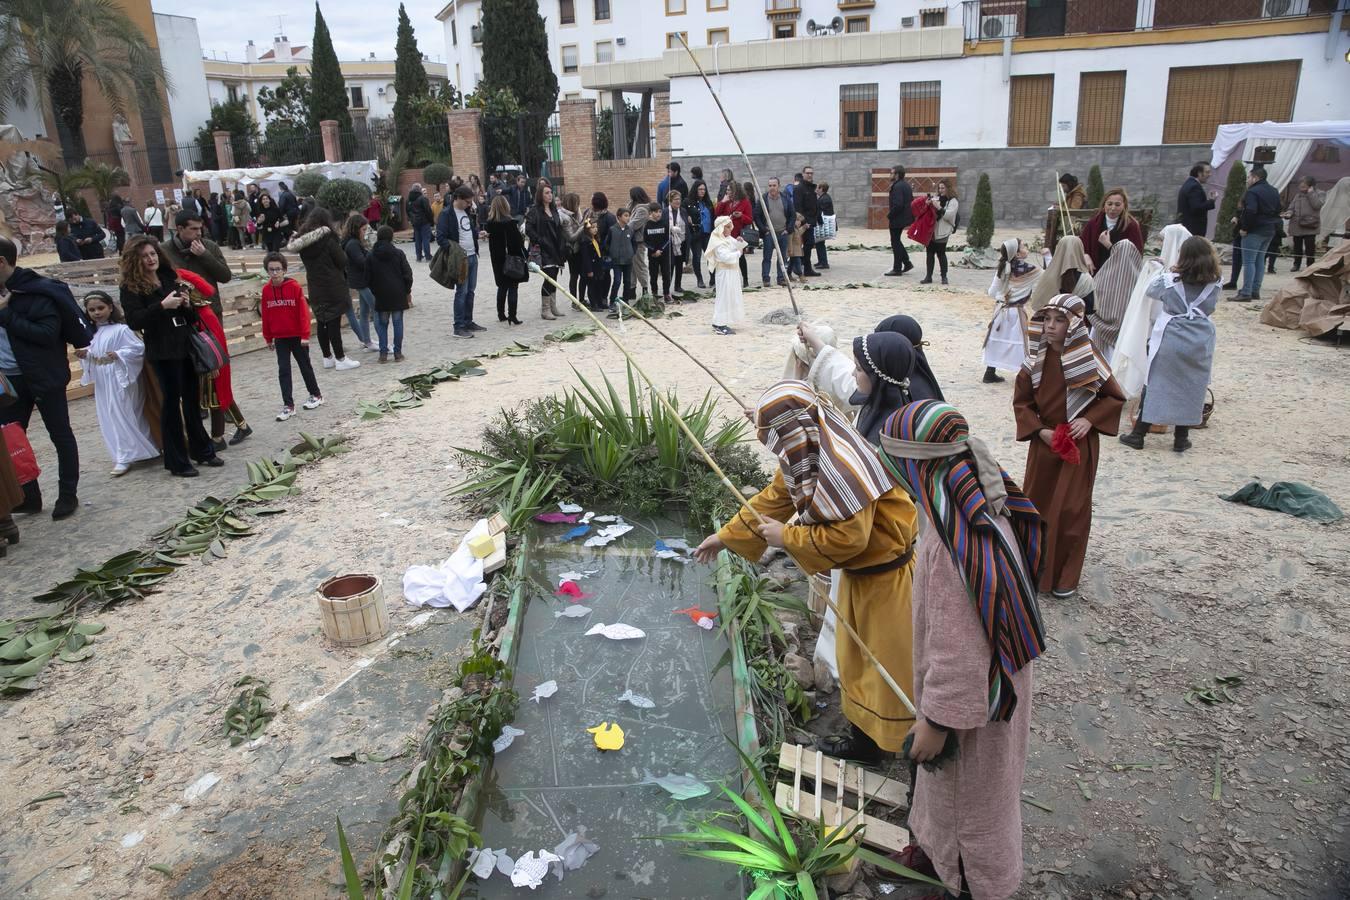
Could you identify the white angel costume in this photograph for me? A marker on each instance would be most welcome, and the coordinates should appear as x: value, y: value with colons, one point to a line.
x: 113, y: 366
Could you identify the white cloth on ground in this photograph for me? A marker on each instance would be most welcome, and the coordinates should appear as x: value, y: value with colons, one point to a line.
x: 457, y: 582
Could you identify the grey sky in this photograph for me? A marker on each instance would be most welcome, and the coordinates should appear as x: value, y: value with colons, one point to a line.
x: 358, y: 27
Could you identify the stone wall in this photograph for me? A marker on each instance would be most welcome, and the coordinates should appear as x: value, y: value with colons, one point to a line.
x: 1023, y: 179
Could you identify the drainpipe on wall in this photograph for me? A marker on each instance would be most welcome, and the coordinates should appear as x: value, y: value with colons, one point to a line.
x: 1334, y: 32
x: 1007, y: 59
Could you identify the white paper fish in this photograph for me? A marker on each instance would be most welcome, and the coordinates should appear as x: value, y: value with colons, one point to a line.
x: 545, y: 690
x: 617, y: 631
x: 570, y: 508
x: 608, y: 519
x: 574, y: 850
x: 586, y: 519
x: 572, y: 612
x: 530, y: 871
x: 484, y: 862
x: 681, y: 787
x: 505, y: 864
x: 637, y: 700
x: 505, y: 739
x: 608, y: 534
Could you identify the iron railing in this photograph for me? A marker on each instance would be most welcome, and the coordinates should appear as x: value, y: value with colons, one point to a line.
x: 377, y: 140
x: 997, y: 19
x: 638, y: 143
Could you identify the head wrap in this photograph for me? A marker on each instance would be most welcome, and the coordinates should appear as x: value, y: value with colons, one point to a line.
x: 1173, y: 236
x: 888, y: 359
x: 720, y: 234
x: 830, y: 471
x: 1014, y: 282
x: 923, y: 384
x: 1085, y: 372
x: 1112, y: 288
x: 962, y: 489
x: 1068, y: 255
x: 800, y: 356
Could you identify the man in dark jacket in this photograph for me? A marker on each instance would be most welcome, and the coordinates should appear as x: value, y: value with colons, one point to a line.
x: 290, y: 210
x: 899, y: 217
x: 808, y: 204
x: 188, y: 249
x: 1193, y: 205
x: 458, y: 224
x: 30, y: 314
x: 87, y: 235
x: 419, y: 217
x: 520, y: 197
x: 672, y: 182
x: 1257, y: 221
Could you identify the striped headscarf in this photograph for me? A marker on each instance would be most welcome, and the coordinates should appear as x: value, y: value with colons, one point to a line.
x: 1015, y: 278
x: 1085, y: 372
x: 962, y: 489
x: 831, y: 473
x: 1069, y: 254
x: 1113, y: 285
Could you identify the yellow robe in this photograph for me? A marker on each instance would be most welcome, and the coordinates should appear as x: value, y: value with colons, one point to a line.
x: 877, y: 606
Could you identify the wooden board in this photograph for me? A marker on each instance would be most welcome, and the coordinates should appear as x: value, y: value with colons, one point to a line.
x: 877, y: 788
x: 498, y: 557
x: 885, y: 836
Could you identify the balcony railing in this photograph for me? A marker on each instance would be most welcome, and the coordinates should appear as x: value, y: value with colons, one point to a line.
x: 773, y: 7
x: 997, y: 19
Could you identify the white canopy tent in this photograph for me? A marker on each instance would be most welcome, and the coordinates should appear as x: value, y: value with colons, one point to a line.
x: 268, y: 177
x: 1291, y: 140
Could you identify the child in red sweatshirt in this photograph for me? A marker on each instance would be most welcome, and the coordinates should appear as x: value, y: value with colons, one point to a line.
x: 285, y: 326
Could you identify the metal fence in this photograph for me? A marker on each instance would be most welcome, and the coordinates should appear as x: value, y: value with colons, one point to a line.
x: 531, y: 140
x: 638, y: 142
x: 378, y: 140
x: 998, y: 19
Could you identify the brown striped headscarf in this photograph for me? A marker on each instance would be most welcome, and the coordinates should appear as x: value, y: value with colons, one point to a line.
x: 831, y: 472
x: 1085, y: 372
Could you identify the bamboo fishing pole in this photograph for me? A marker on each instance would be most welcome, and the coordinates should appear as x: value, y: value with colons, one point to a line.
x: 697, y: 362
x: 726, y: 482
x: 754, y: 179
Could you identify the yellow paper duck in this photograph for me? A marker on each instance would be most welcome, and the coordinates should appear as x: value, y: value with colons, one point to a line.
x: 607, y: 736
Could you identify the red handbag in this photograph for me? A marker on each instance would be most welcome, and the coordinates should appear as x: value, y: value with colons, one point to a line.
x: 20, y: 452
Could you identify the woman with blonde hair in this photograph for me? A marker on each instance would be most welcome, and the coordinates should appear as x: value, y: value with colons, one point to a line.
x: 1111, y: 225
x: 504, y: 240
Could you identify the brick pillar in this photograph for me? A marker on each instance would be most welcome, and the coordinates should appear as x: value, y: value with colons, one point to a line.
x: 332, y: 144
x: 576, y: 122
x: 466, y: 142
x: 224, y: 150
x: 661, y: 117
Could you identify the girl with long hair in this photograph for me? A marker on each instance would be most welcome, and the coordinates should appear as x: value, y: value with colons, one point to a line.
x: 326, y: 280
x: 548, y: 246
x: 354, y: 245
x: 114, y: 364
x: 504, y: 241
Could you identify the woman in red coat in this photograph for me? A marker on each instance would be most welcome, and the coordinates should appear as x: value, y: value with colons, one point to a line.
x: 1112, y: 224
x: 217, y: 392
x: 735, y: 205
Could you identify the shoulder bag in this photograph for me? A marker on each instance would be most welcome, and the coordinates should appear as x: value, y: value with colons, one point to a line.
x: 750, y: 234
x: 208, y: 355
x: 515, y: 269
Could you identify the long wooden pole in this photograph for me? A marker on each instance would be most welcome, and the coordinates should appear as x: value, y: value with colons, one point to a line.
x: 764, y: 202
x: 697, y: 362
x: 726, y: 482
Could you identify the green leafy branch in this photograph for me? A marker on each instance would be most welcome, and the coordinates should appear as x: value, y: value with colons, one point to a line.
x: 248, y: 716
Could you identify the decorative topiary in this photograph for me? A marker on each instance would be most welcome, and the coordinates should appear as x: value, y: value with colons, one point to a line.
x: 1232, y: 199
x: 435, y: 175
x: 307, y: 184
x: 1096, y: 189
x: 980, y: 231
x: 342, y: 196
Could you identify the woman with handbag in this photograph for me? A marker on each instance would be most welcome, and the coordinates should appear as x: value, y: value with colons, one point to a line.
x: 167, y: 321
x: 827, y: 227
x: 506, y: 249
x: 548, y: 246
x: 326, y: 276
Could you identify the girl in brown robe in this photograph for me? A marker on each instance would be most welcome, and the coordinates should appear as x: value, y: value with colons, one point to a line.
x: 1064, y: 382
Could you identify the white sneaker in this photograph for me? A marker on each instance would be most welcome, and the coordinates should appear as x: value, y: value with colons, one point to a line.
x: 371, y: 345
x: 328, y: 362
x: 347, y: 363
x: 313, y: 403
x: 119, y: 470
x: 286, y: 413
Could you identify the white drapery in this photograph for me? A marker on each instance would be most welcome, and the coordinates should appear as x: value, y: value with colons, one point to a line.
x: 1292, y: 142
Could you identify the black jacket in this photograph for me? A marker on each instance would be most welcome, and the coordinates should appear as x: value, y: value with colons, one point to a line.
x: 1193, y: 205
x: 166, y: 332
x: 520, y: 199
x: 389, y: 275
x: 826, y: 204
x: 503, y: 239
x: 33, y: 322
x: 898, y: 213
x: 88, y: 228
x: 419, y: 209
x: 804, y: 199
x: 1260, y: 209
x: 325, y: 272
x: 544, y: 229
x: 290, y: 206
x: 356, y: 264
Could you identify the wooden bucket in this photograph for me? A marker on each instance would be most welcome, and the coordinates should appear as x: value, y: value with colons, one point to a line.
x: 352, y: 609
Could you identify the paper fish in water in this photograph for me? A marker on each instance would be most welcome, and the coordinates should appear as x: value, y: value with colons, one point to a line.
x: 607, y: 518
x: 575, y: 576
x: 575, y: 533
x: 681, y: 787
x: 572, y: 591
x: 608, y: 534
x: 552, y: 518
x: 586, y: 519
x: 530, y: 870
x: 675, y: 549
x: 486, y: 861
x: 544, y: 691
x: 572, y: 612
x: 570, y: 508
x: 574, y: 850
x: 700, y: 618
x: 608, y: 736
x: 637, y: 700
x: 506, y: 738
x: 617, y: 632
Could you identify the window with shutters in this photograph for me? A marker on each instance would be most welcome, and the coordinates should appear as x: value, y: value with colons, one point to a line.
x: 602, y: 10
x: 857, y: 24
x: 719, y: 36
x: 1201, y: 98
x: 604, y: 51
x: 932, y: 18
x: 567, y: 12
x: 920, y: 104
x: 1101, y: 106
x: 570, y: 58
x: 858, y: 116
x: 1030, y: 98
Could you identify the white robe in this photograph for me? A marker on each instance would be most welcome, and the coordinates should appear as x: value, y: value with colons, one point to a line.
x: 728, y: 307
x: 1006, y: 344
x: 119, y: 398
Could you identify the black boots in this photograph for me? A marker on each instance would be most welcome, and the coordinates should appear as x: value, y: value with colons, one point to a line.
x: 1181, y: 441
x: 65, y: 506
x: 991, y: 376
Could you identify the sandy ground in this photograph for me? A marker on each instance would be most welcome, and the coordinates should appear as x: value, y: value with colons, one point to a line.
x: 1180, y: 587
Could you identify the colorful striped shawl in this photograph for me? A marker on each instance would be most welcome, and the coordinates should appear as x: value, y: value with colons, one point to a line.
x: 1085, y: 371
x: 831, y: 472
x: 944, y: 467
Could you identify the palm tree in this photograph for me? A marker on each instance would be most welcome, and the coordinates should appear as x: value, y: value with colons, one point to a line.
x: 103, y: 179
x: 58, y: 44
x: 66, y: 185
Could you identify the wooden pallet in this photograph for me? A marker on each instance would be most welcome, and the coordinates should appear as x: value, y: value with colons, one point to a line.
x: 845, y: 778
x: 496, y: 528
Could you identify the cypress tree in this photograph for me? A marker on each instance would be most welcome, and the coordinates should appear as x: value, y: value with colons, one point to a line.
x: 1096, y: 190
x: 327, y: 89
x: 410, y: 81
x: 1232, y: 198
x: 980, y: 231
x: 516, y: 56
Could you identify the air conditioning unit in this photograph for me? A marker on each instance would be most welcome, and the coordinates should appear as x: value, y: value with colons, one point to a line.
x: 907, y: 22
x: 1278, y: 9
x: 621, y: 41
x: 380, y: 91
x: 476, y: 34
x: 993, y: 27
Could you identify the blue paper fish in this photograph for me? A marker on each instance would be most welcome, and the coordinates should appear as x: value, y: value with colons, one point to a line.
x: 575, y: 533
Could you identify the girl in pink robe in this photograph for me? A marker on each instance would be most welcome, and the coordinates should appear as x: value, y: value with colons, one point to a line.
x: 976, y: 630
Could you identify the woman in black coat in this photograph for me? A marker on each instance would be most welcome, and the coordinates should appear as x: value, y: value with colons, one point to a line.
x: 544, y: 228
x: 326, y: 276
x: 267, y: 217
x: 504, y: 240
x: 391, y: 280
x: 166, y: 319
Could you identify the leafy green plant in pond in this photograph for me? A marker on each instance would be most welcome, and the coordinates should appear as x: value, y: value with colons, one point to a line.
x: 248, y: 716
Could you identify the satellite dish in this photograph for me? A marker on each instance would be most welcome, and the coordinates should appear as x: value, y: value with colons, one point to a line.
x: 811, y: 27
x: 837, y: 24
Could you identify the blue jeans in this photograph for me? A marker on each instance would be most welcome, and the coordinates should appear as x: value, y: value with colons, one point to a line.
x: 623, y: 277
x: 422, y: 241
x: 1253, y: 263
x: 768, y: 257
x: 382, y: 320
x: 360, y: 321
x: 822, y: 258
x: 464, y: 295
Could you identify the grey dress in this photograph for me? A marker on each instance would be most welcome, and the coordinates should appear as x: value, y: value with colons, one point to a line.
x: 1181, y: 362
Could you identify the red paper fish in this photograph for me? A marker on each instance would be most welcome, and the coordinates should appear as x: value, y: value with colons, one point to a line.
x: 1063, y: 443
x: 572, y: 591
x: 698, y: 616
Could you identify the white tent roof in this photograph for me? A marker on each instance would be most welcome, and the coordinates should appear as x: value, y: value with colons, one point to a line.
x: 1231, y: 137
x: 364, y: 170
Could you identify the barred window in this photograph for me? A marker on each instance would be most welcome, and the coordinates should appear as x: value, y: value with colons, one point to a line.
x: 1200, y: 98
x: 1030, y: 98
x: 1101, y: 106
x: 858, y: 116
x: 920, y: 105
